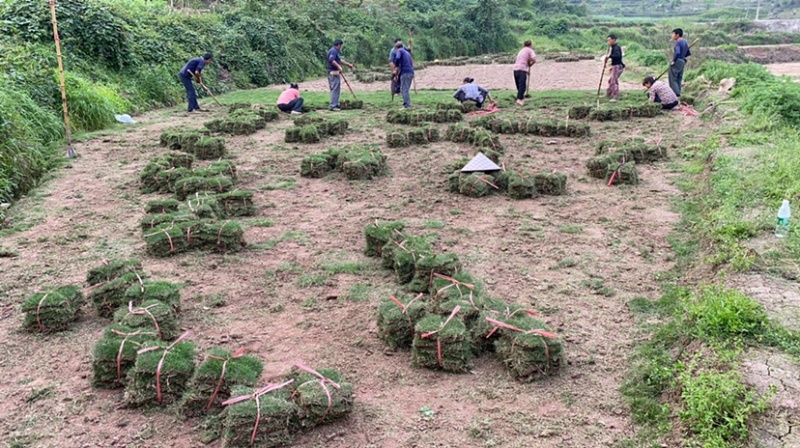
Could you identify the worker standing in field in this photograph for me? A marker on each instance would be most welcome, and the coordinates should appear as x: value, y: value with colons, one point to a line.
x: 290, y: 100
x: 335, y: 70
x: 617, y: 67
x: 678, y: 63
x: 392, y: 54
x: 404, y: 68
x: 525, y: 60
x: 192, y: 69
x: 660, y: 92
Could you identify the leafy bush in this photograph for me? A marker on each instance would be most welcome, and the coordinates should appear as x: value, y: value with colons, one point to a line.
x: 778, y: 99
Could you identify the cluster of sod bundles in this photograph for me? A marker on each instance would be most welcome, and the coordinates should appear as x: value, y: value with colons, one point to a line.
x: 527, y: 347
x: 160, y: 374
x: 115, y: 353
x: 355, y: 162
x: 532, y: 127
x: 351, y: 105
x: 465, y: 107
x: 442, y: 343
x: 370, y: 77
x: 397, y: 318
x: 152, y: 315
x: 321, y: 395
x: 615, y: 112
x: 109, y: 283
x: 422, y: 117
x: 190, y: 185
x: 182, y: 236
x: 214, y: 379
x: 315, y: 130
x: 615, y: 161
x: 167, y: 173
x: 223, y: 206
x: 399, y: 138
x: 194, y: 142
x: 263, y: 418
x: 165, y: 292
x: 482, y: 138
x: 378, y: 234
x: 518, y: 184
x: 53, y: 309
x: 242, y: 121
x: 153, y: 181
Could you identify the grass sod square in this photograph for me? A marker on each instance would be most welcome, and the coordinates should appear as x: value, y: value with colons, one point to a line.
x: 429, y: 264
x: 351, y: 104
x: 395, y: 242
x: 362, y: 162
x: 476, y: 185
x: 107, y: 297
x: 162, y: 206
x: 53, y: 309
x: 195, y: 184
x: 396, y: 139
x: 552, y: 184
x: 406, y: 253
x: 235, y: 203
x: 207, y: 148
x: 307, y: 119
x: 528, y: 348
x: 320, y: 400
x: 172, y: 238
x: 337, y: 127
x: 221, y: 236
x: 165, y: 180
x: 166, y: 292
x: 150, y: 222
x: 113, y: 269
x: 378, y: 233
x: 266, y: 421
x: 239, y: 122
x: 152, y: 315
x: 598, y: 166
x: 160, y: 374
x: 625, y: 173
x: 315, y: 166
x: 441, y: 343
x: 220, y: 168
x: 484, y: 333
x: 397, y: 317
x: 115, y: 353
x: 214, y: 379
x: 417, y: 136
x: 177, y: 139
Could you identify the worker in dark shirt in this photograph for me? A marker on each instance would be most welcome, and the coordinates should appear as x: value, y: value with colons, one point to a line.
x: 678, y: 63
x: 617, y: 67
x: 395, y: 86
x: 335, y: 70
x: 404, y: 68
x: 192, y: 69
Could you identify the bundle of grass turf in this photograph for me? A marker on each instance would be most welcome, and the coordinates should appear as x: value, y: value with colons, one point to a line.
x: 53, y: 309
x: 448, y: 106
x: 236, y: 106
x: 160, y: 374
x: 165, y: 292
x: 350, y: 105
x: 115, y: 353
x: 488, y: 139
x: 337, y: 127
x: 397, y: 116
x: 625, y: 173
x: 265, y: 417
x: 579, y: 112
x: 527, y: 347
x: 362, y: 162
x: 432, y: 134
x: 214, y: 378
x: 162, y: 206
x: 150, y: 180
x: 617, y: 112
x: 429, y: 264
x: 441, y: 343
x: 396, y: 139
x: 397, y: 317
x: 315, y: 166
x: 460, y: 288
x: 268, y: 114
x: 417, y: 137
x: 207, y: 148
x: 292, y: 134
x: 239, y: 122
x: 598, y: 166
x: 150, y: 222
x: 397, y: 241
x: 377, y: 234
x: 109, y: 283
x: 235, y: 203
x: 173, y: 238
x: 460, y: 133
x: 642, y: 153
x: 553, y: 184
x: 220, y: 168
x: 194, y: 184
x: 520, y: 185
x: 405, y: 254
x: 303, y: 134
x: 221, y: 236
x: 469, y: 106
x: 448, y: 116
x: 179, y: 139
x: 556, y: 129
x: 152, y: 315
x: 322, y: 395
x: 476, y: 185
x: 305, y: 120
x: 166, y: 179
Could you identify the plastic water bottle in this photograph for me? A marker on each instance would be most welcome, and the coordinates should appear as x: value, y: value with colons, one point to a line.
x: 784, y: 213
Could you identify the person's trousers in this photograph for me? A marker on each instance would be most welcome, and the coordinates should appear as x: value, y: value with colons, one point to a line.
x: 405, y: 88
x: 521, y: 80
x: 395, y: 85
x: 294, y: 105
x: 613, y: 81
x: 676, y: 76
x: 335, y: 84
x: 669, y: 106
x: 191, y: 94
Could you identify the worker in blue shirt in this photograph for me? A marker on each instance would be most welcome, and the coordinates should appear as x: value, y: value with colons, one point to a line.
x: 335, y: 70
x: 191, y: 70
x: 678, y: 63
x: 404, y: 68
x: 392, y: 54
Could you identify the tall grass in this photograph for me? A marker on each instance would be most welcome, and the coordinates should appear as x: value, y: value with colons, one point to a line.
x: 92, y: 106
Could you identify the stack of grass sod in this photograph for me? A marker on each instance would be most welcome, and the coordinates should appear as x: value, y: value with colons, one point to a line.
x: 242, y: 121
x: 430, y: 264
x: 160, y: 374
x: 479, y: 137
x: 214, y: 379
x: 195, y: 183
x: 474, y: 185
x: 404, y: 256
x: 264, y: 418
x: 162, y: 206
x: 235, y: 203
x: 52, y: 310
x: 361, y: 162
x: 165, y: 292
x: 635, y: 148
x: 579, y: 112
x: 458, y: 290
x: 399, y: 138
x: 379, y: 233
x: 442, y: 343
x: 397, y: 317
x: 109, y: 282
x: 351, y: 105
x: 624, y: 112
x: 465, y: 107
x: 151, y: 316
x: 178, y: 237
x: 423, y: 117
x: 532, y: 127
x: 115, y: 353
x: 321, y: 395
x: 318, y: 165
x: 194, y: 142
x: 527, y: 347
x: 151, y: 180
x: 614, y: 161
x: 313, y: 130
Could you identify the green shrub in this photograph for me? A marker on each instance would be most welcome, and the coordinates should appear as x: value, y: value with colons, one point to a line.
x: 91, y: 106
x: 722, y: 314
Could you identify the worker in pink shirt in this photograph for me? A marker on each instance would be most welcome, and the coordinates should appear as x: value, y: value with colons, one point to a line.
x: 525, y: 59
x: 290, y: 100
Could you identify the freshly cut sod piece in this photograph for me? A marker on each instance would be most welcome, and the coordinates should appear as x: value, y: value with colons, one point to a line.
x: 214, y: 379
x: 397, y: 317
x: 442, y: 343
x: 53, y: 309
x: 429, y: 264
x: 378, y: 233
x: 166, y: 292
x: 152, y: 316
x: 322, y: 395
x: 264, y: 418
x: 162, y: 206
x: 160, y: 374
x: 553, y: 184
x: 115, y: 353
x: 529, y: 349
x: 362, y: 162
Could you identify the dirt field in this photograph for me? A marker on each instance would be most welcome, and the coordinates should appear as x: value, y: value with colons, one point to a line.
x: 549, y: 253
x: 789, y: 69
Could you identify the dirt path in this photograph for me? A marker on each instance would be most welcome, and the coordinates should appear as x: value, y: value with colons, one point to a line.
x: 789, y: 69
x: 551, y: 253
x: 547, y: 75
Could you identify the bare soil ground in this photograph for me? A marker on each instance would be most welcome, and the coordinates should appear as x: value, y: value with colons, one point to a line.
x: 773, y: 54
x: 550, y: 253
x: 788, y: 69
x: 546, y: 75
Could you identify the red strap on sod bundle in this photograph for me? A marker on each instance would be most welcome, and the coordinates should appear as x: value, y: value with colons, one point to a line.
x: 161, y: 362
x: 439, y: 340
x: 322, y: 381
x: 237, y: 354
x: 255, y: 396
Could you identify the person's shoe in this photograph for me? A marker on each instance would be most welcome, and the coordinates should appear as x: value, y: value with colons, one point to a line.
x: 335, y: 109
x: 202, y: 110
x: 296, y: 112
x: 520, y: 103
x: 613, y: 100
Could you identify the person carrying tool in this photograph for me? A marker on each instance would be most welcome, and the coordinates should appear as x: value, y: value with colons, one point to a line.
x: 678, y: 63
x: 470, y: 91
x: 335, y: 70
x: 617, y: 67
x: 404, y: 68
x: 659, y: 92
x: 525, y: 60
x: 290, y: 100
x: 392, y: 54
x: 191, y: 70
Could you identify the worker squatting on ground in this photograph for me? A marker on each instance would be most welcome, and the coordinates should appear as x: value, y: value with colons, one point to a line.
x: 660, y: 92
x: 290, y: 100
x: 525, y: 60
x: 395, y: 86
x: 192, y: 69
x: 678, y: 63
x: 470, y: 91
x: 616, y: 69
x: 404, y: 66
x: 335, y: 70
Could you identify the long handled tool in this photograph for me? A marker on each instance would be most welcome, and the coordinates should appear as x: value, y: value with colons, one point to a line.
x: 341, y: 73
x: 208, y: 91
x: 70, y: 150
x: 665, y: 71
x: 528, y: 88
x: 602, y: 74
x: 410, y: 50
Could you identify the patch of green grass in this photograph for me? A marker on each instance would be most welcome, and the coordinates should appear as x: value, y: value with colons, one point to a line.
x: 261, y: 222
x: 598, y: 286
x: 433, y: 224
x: 359, y: 292
x: 281, y: 183
x: 39, y: 394
x: 455, y: 211
x: 566, y: 262
x: 570, y: 229
x: 214, y: 301
x: 311, y: 280
x: 298, y: 236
